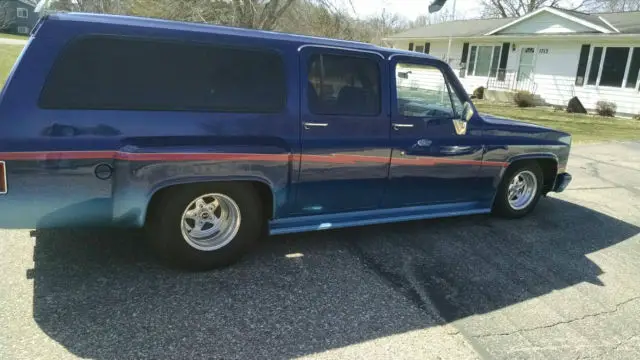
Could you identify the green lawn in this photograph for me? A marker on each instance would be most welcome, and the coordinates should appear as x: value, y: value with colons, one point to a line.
x: 584, y: 128
x: 8, y: 55
x: 13, y: 36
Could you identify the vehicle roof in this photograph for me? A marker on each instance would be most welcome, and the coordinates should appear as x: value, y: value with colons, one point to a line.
x: 179, y: 26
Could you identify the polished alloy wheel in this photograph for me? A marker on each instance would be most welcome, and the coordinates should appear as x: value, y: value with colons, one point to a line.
x: 210, y: 222
x: 522, y: 190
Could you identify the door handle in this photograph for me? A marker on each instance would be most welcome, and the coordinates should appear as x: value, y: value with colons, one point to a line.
x: 310, y: 124
x: 452, y: 150
x: 397, y: 126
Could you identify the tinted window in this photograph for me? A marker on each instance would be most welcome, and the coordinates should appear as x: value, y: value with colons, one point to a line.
x: 343, y: 85
x: 425, y: 93
x: 109, y: 73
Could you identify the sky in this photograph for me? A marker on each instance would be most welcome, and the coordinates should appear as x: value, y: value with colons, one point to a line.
x: 411, y: 8
x: 414, y: 8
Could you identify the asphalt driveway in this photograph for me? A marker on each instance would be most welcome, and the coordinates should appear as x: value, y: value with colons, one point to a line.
x: 561, y: 284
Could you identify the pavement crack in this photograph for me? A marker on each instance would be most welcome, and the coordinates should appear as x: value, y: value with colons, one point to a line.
x: 564, y: 322
x: 624, y: 342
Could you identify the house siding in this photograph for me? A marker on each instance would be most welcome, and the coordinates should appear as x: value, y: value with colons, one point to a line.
x: 554, y: 72
x: 9, y: 20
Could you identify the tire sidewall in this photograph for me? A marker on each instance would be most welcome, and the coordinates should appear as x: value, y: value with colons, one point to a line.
x: 501, y: 204
x: 166, y: 233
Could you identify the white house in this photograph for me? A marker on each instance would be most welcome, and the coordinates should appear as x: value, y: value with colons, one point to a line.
x: 554, y: 53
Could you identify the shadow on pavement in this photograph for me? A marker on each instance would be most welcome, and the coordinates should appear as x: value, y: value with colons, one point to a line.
x: 100, y: 295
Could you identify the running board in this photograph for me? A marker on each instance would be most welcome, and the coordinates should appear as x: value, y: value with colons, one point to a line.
x: 371, y: 217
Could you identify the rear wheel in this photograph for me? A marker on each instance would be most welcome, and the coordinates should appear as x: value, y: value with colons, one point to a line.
x: 205, y: 226
x: 519, y: 191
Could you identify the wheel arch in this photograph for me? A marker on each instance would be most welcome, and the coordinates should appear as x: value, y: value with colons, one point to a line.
x: 263, y: 187
x: 548, y: 163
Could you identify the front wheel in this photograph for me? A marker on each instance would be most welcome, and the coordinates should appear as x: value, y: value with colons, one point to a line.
x: 519, y: 191
x: 205, y: 226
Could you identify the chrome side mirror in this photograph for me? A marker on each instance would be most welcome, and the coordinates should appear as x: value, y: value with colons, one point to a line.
x: 461, y: 124
x: 467, y: 111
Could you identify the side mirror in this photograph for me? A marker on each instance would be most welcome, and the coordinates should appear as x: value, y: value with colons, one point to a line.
x: 467, y: 111
x: 461, y: 124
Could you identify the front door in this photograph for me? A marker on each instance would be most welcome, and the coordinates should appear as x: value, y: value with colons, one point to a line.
x: 345, y: 131
x: 525, y: 68
x: 436, y: 158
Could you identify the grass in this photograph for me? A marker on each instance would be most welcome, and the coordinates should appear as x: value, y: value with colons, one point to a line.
x: 14, y: 36
x: 583, y: 128
x: 8, y: 55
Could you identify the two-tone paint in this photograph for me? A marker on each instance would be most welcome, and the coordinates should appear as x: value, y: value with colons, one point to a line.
x: 90, y: 167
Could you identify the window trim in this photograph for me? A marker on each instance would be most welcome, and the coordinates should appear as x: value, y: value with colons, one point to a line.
x: 22, y: 10
x: 161, y: 40
x: 475, y: 61
x: 627, y: 69
x: 26, y: 29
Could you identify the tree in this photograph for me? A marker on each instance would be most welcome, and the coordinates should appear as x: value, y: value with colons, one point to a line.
x: 619, y: 5
x: 7, y: 16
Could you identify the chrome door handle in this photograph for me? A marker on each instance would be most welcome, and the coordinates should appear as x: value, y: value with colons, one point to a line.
x: 450, y: 150
x: 397, y: 126
x: 310, y: 124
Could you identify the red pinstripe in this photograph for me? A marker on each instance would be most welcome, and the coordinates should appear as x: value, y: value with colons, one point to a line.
x: 334, y: 158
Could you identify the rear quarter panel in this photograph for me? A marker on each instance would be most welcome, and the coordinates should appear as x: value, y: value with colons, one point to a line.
x: 55, y: 181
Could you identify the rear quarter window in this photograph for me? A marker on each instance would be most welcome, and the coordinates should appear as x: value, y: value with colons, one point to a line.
x: 105, y: 73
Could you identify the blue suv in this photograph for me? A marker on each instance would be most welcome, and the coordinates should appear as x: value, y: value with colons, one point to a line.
x: 210, y: 137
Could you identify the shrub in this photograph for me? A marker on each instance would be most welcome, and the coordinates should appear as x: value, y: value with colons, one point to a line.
x: 606, y: 108
x: 636, y: 117
x: 524, y: 99
x: 478, y: 93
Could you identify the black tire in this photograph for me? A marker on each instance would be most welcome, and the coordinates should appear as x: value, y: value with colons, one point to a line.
x: 164, y: 226
x: 501, y: 204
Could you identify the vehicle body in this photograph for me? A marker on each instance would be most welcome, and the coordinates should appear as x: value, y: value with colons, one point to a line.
x: 105, y: 119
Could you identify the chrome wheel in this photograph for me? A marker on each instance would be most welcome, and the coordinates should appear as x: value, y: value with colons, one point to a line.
x: 522, y: 190
x: 210, y: 222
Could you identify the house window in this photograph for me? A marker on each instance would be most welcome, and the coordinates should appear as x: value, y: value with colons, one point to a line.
x: 23, y: 13
x: 420, y: 48
x: 484, y: 60
x: 595, y: 66
x: 614, y: 66
x: 634, y: 69
x: 23, y: 30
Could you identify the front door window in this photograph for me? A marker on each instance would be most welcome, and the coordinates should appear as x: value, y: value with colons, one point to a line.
x: 426, y: 94
x: 527, y: 61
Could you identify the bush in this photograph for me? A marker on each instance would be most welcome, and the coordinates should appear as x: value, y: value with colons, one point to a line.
x: 478, y: 93
x: 524, y: 99
x: 606, y: 108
